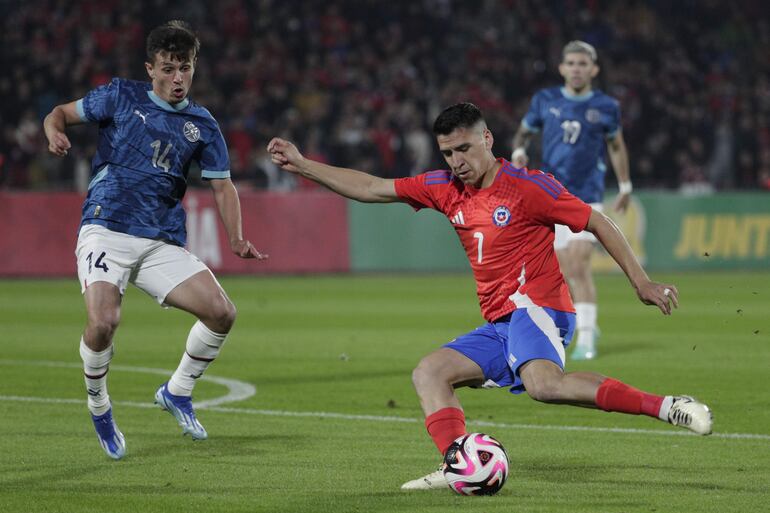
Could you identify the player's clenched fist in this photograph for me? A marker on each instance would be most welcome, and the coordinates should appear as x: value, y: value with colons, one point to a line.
x: 284, y: 154
x: 519, y: 158
x: 59, y: 144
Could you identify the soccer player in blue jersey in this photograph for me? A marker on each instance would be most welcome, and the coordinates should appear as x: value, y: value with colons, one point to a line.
x: 577, y: 121
x: 133, y: 224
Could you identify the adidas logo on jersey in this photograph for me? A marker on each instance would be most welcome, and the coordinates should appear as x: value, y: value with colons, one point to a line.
x: 458, y: 218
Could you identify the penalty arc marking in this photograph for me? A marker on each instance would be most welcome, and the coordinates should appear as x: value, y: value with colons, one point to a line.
x: 240, y: 390
x: 236, y: 390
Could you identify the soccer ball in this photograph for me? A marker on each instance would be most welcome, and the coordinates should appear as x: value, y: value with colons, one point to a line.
x: 476, y: 464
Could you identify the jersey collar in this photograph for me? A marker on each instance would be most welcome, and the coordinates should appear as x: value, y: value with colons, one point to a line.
x: 577, y: 97
x: 472, y: 189
x: 167, y: 106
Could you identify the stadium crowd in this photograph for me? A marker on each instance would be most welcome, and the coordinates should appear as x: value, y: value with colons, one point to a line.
x: 358, y: 82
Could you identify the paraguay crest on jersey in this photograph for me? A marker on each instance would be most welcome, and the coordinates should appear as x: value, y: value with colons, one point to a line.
x: 593, y: 115
x: 501, y: 216
x: 191, y: 132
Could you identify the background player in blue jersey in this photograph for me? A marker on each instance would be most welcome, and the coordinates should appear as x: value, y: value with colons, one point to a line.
x: 133, y: 224
x: 577, y: 121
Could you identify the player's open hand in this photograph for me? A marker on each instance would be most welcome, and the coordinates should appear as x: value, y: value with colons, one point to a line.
x: 59, y: 144
x: 284, y: 154
x: 246, y: 249
x: 621, y: 202
x: 658, y: 294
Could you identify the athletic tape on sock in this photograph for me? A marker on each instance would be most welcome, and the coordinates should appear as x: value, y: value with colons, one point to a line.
x: 95, y: 362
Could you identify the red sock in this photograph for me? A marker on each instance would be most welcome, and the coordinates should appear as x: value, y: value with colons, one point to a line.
x: 616, y: 396
x: 445, y: 426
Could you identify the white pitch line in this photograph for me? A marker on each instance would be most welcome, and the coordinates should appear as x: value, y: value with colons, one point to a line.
x: 408, y: 420
x: 383, y: 418
x: 239, y: 390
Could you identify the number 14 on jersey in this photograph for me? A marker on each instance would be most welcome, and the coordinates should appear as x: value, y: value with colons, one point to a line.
x: 160, y: 159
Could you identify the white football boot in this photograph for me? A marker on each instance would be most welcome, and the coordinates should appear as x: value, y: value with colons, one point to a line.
x: 686, y: 412
x: 433, y: 481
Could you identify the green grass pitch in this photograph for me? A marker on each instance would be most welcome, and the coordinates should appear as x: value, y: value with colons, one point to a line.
x: 334, y: 425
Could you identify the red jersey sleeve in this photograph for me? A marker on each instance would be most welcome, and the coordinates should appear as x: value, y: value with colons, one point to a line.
x: 570, y: 211
x: 425, y: 190
x: 551, y: 203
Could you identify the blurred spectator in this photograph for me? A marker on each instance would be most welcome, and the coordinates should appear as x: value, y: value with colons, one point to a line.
x: 360, y: 80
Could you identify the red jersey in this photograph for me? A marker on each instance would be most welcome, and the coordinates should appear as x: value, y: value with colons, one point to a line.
x: 507, y: 231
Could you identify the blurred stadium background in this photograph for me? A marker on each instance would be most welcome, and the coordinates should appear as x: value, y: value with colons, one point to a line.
x: 358, y: 83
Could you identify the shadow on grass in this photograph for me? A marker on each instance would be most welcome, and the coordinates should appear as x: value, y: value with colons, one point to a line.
x: 661, y: 476
x: 95, y: 472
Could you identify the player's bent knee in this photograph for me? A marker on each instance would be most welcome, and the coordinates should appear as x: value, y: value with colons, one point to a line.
x: 222, y: 315
x: 103, y: 326
x: 542, y: 395
x: 425, y: 374
x: 419, y: 377
x: 545, y: 391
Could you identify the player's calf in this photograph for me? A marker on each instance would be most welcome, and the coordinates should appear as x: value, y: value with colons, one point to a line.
x: 202, y: 348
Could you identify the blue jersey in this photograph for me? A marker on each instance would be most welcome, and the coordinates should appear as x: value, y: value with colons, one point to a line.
x: 575, y: 129
x: 143, y: 156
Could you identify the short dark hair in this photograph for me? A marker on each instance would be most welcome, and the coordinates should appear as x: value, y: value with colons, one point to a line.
x: 175, y: 37
x: 460, y: 115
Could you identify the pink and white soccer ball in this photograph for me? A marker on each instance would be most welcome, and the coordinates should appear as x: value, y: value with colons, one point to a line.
x: 476, y: 464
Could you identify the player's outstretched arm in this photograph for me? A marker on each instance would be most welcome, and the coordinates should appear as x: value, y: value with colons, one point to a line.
x: 350, y: 183
x: 616, y: 148
x: 54, y: 125
x: 613, y: 240
x: 229, y: 205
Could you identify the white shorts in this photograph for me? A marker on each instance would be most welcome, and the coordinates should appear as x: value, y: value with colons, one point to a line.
x: 564, y: 235
x: 154, y: 266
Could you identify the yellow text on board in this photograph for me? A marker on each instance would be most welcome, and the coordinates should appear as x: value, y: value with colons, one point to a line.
x: 730, y: 236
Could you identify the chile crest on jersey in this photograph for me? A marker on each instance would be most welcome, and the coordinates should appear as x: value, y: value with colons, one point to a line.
x: 501, y: 216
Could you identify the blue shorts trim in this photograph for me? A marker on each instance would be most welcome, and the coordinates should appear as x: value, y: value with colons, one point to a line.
x: 500, y: 348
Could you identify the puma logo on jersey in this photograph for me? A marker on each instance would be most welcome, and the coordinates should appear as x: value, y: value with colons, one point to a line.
x: 556, y: 112
x: 458, y: 218
x: 143, y: 116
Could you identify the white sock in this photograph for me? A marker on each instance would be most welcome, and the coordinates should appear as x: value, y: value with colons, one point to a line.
x: 585, y: 323
x: 665, y: 406
x: 95, y: 368
x: 202, y: 348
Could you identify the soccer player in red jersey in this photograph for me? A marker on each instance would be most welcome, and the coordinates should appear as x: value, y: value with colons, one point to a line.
x: 505, y: 219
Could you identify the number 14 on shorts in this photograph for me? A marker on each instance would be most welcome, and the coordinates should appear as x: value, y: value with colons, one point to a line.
x: 98, y: 264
